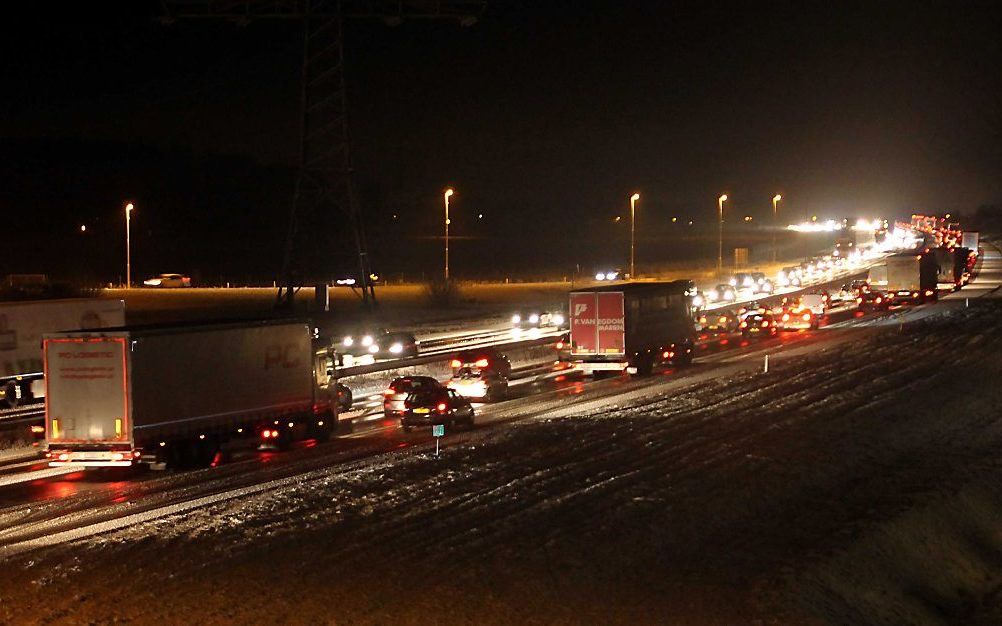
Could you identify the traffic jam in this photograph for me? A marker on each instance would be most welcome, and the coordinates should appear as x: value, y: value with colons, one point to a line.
x: 104, y: 405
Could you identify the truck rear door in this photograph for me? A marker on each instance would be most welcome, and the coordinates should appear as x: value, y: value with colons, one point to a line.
x: 598, y: 323
x: 86, y: 391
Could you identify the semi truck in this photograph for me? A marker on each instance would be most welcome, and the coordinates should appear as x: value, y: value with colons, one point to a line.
x: 22, y: 325
x: 911, y: 278
x: 175, y: 394
x: 632, y: 327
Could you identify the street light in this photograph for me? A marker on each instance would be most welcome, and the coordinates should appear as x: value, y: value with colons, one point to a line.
x: 775, y: 223
x: 128, y: 247
x: 447, y: 195
x: 633, y: 211
x: 720, y: 234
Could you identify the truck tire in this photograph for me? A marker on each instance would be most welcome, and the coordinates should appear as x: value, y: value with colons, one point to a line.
x: 645, y: 365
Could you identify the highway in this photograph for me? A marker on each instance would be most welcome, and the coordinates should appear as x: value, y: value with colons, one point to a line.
x: 42, y: 506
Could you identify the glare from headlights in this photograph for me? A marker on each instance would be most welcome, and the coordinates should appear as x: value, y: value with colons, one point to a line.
x: 515, y: 319
x: 697, y: 300
x: 713, y: 294
x: 533, y: 319
x: 373, y: 348
x: 558, y: 319
x: 397, y: 348
x: 347, y: 342
x: 600, y: 276
x: 728, y: 295
x: 367, y: 340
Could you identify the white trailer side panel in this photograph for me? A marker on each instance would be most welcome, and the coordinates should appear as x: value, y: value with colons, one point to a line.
x: 180, y: 380
x: 22, y: 325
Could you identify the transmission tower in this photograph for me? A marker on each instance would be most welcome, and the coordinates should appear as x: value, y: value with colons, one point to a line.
x: 324, y: 180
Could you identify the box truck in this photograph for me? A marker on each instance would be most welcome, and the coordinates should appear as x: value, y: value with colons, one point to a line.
x: 174, y: 394
x: 911, y: 278
x: 632, y: 327
x: 22, y: 325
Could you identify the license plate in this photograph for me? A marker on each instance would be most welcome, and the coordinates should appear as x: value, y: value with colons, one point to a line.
x: 422, y: 411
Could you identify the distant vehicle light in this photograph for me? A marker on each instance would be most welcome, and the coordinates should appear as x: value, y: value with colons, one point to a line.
x: 728, y: 295
x: 534, y: 319
x: 442, y: 407
x: 63, y: 456
x: 723, y: 319
x: 786, y: 317
x: 455, y: 363
x: 765, y: 324
x: 515, y: 319
x: 806, y: 317
x: 558, y: 319
x: 697, y: 300
x: 373, y: 348
x: 347, y: 342
x: 397, y: 348
x: 367, y: 340
x: 600, y: 276
x: 481, y: 363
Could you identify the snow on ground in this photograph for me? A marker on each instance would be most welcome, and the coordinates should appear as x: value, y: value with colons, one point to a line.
x: 859, y: 484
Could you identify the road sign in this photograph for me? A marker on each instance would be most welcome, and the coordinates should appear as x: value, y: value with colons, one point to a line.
x: 438, y: 430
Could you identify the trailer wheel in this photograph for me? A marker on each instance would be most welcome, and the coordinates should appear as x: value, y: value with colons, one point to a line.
x: 323, y: 433
x: 645, y: 365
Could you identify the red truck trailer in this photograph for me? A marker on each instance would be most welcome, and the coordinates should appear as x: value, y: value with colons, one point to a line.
x: 175, y: 394
x: 632, y: 327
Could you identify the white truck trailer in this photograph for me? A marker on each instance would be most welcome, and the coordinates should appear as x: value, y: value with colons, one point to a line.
x: 176, y: 394
x: 22, y: 325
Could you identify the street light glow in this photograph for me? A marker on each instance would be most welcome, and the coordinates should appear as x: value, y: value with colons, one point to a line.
x: 777, y: 198
x: 723, y: 197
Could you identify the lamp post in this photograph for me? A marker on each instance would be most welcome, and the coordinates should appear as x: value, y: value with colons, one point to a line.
x: 128, y: 246
x: 447, y: 195
x: 633, y: 212
x: 720, y: 234
x: 775, y: 223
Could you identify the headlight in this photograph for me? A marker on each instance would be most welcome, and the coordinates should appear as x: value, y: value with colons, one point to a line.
x: 558, y: 320
x: 397, y: 348
x: 533, y: 319
x: 367, y: 340
x: 515, y: 319
x: 697, y: 301
x: 728, y: 295
x: 713, y: 294
x: 733, y: 282
x: 600, y: 276
x: 612, y: 276
x: 748, y: 281
x: 347, y: 342
x: 373, y: 348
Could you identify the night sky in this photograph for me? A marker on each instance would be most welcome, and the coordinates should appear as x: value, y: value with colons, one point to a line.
x: 544, y: 116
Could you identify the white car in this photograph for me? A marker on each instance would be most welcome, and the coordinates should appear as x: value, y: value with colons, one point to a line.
x: 168, y: 280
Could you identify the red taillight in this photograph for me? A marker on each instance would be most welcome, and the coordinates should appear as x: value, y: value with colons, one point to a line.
x: 389, y: 392
x: 765, y: 324
x: 879, y: 300
x: 481, y: 363
x: 560, y: 345
x: 266, y: 434
x: 744, y: 324
x: 786, y: 317
x: 807, y: 317
x: 442, y: 407
x: 456, y: 363
x: 859, y: 301
x: 702, y: 320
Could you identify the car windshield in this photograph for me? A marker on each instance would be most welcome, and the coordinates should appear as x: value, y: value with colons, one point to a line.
x: 425, y: 397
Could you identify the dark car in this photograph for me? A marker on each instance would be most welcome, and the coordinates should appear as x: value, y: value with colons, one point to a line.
x: 873, y: 301
x: 758, y: 325
x: 403, y: 386
x: 398, y: 344
x: 717, y: 322
x: 428, y: 407
x: 482, y: 359
x: 484, y: 384
x: 362, y: 341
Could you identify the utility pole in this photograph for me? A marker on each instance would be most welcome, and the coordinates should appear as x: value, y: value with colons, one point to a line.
x: 324, y: 181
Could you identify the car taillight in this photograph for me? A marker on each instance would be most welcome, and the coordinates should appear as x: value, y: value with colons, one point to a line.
x: 723, y: 320
x: 928, y: 292
x: 807, y: 317
x: 879, y: 300
x: 765, y: 324
x: 442, y: 407
x: 481, y: 363
x: 389, y: 392
x: 560, y: 345
x: 455, y: 363
x: 744, y: 324
x: 63, y: 456
x: 786, y: 317
x: 702, y: 320
x: 859, y: 301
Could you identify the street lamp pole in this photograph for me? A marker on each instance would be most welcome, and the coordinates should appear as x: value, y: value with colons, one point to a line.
x: 633, y: 213
x: 448, y: 194
x: 128, y: 247
x: 720, y: 234
x: 775, y: 223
